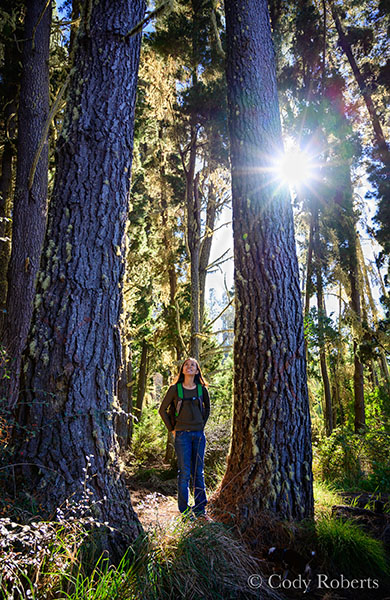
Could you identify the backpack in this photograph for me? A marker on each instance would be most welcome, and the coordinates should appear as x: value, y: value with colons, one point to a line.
x: 175, y: 407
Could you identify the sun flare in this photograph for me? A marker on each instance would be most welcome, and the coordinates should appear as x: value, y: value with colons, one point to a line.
x: 295, y: 167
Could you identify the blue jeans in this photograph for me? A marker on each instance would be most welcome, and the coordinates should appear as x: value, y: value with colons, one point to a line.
x: 190, y: 448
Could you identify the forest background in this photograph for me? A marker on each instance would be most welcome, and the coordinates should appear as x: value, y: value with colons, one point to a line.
x: 333, y: 75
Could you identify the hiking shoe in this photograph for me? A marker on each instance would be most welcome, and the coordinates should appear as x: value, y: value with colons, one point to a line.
x: 204, y: 517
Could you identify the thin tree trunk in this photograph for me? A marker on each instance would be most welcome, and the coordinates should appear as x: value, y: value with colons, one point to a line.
x: 74, y: 348
x: 269, y: 464
x: 381, y: 282
x: 123, y: 419
x: 142, y: 376
x: 382, y: 357
x: 358, y: 376
x: 11, y: 75
x: 309, y: 269
x: 30, y: 205
x: 380, y: 142
x: 168, y: 244
x: 205, y: 250
x: 193, y: 236
x: 321, y: 339
x: 7, y: 167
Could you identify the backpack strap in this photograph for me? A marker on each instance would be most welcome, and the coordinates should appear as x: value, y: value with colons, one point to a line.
x: 180, y: 394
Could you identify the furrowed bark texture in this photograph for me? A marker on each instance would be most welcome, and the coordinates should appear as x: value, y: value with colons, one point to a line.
x: 30, y: 205
x: 74, y: 348
x: 269, y: 465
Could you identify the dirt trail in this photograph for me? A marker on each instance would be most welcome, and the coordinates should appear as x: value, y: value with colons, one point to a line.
x: 154, y: 509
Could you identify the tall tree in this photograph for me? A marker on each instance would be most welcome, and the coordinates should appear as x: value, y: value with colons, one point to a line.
x: 321, y: 314
x: 270, y: 455
x: 10, y: 32
x: 30, y: 200
x: 74, y: 348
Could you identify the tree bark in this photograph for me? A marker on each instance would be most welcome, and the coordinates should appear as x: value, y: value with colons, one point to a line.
x: 269, y: 464
x: 74, y: 349
x: 30, y: 205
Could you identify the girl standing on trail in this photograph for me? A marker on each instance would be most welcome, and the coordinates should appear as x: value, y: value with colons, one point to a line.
x: 185, y: 410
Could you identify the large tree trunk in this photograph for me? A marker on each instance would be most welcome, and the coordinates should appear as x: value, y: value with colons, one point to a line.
x: 74, y: 350
x: 269, y: 464
x: 29, y: 208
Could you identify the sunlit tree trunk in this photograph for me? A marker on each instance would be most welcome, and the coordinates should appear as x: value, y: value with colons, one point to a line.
x: 205, y: 249
x: 141, y: 380
x: 74, y: 350
x: 123, y: 421
x: 269, y: 464
x: 383, y: 366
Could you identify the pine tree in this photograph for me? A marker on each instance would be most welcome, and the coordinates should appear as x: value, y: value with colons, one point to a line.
x: 269, y: 464
x: 30, y: 199
x: 74, y: 349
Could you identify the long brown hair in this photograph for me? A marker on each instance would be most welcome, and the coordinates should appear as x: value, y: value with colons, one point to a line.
x: 198, y: 377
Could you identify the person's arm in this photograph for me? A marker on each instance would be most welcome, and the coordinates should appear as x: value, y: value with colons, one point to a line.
x: 206, y: 402
x: 168, y: 398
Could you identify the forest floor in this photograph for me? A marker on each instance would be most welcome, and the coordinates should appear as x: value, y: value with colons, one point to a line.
x: 153, y: 492
x: 154, y: 500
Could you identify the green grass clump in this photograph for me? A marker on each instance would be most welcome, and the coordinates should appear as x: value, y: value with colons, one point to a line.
x: 348, y: 549
x: 325, y: 496
x: 192, y: 561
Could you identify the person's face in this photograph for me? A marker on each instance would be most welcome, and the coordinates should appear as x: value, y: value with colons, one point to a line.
x: 190, y: 367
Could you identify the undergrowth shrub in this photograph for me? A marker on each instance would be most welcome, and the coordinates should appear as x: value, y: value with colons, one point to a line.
x: 34, y: 558
x: 217, y: 447
x: 149, y: 436
x: 354, y: 460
